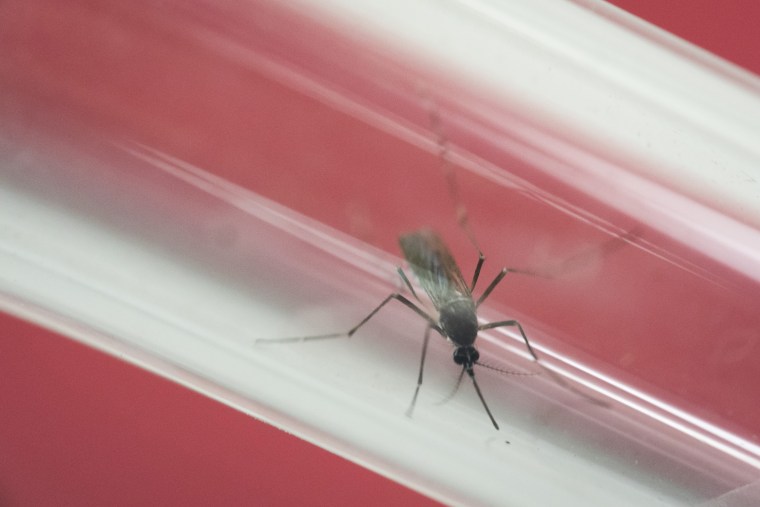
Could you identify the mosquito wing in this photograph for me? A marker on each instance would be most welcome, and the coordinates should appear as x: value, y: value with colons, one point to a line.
x: 434, y: 266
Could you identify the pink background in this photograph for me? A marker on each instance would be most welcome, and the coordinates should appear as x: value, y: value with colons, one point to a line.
x: 135, y: 438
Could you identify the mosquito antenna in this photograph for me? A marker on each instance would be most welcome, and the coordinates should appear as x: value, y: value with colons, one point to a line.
x: 458, y: 384
x: 507, y: 372
x: 471, y: 373
x: 557, y: 379
x: 406, y: 282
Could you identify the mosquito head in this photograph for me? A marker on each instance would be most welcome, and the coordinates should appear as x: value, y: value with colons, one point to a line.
x: 459, y: 321
x: 466, y: 356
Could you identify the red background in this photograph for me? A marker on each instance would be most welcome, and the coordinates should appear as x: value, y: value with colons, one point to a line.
x: 135, y: 438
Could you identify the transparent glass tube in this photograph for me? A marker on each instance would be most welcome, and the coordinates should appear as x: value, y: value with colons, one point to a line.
x: 181, y: 179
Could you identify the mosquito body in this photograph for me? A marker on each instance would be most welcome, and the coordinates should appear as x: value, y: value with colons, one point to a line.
x: 457, y: 321
x: 438, y: 274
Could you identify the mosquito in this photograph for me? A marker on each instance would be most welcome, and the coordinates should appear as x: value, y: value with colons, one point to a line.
x: 440, y: 277
x: 438, y: 274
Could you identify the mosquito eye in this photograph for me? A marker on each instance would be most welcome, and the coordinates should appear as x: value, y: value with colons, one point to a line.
x: 466, y: 355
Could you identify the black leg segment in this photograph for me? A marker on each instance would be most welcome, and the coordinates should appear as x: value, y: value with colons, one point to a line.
x: 513, y: 323
x: 422, y: 367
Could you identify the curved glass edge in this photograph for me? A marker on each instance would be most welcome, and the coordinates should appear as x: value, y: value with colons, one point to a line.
x: 211, y: 254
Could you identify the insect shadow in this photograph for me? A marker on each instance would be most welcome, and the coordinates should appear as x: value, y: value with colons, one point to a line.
x: 440, y: 277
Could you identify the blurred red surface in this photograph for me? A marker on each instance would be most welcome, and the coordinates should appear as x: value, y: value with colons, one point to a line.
x: 726, y: 29
x: 134, y: 437
x: 78, y: 427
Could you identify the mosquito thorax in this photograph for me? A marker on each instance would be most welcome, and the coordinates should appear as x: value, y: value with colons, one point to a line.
x: 459, y: 321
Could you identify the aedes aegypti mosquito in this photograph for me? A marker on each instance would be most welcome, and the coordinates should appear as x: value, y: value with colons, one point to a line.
x: 440, y: 277
x: 438, y: 274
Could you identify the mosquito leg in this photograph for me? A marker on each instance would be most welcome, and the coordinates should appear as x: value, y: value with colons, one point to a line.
x: 451, y: 181
x: 455, y: 389
x: 436, y: 125
x: 406, y: 282
x: 431, y: 322
x: 476, y: 275
x: 471, y: 373
x: 514, y: 323
x: 557, y: 378
x: 422, y: 367
x: 498, y: 279
x: 491, y: 286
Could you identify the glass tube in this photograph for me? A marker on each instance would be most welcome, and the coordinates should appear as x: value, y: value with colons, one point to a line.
x: 180, y: 180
